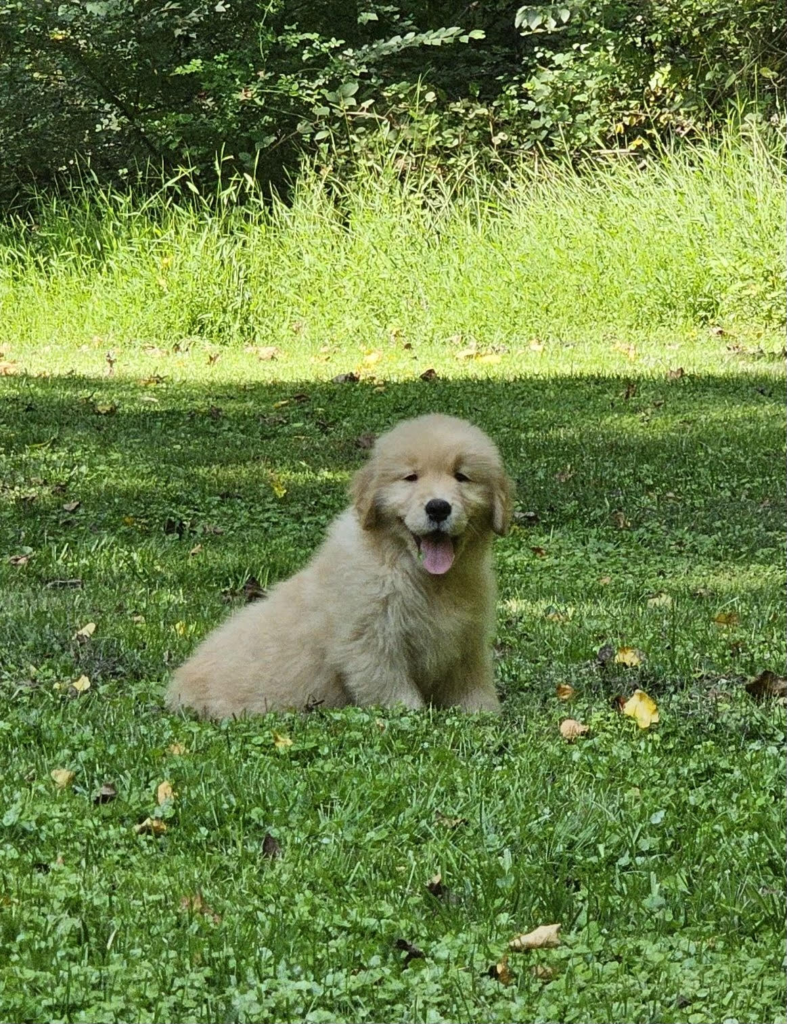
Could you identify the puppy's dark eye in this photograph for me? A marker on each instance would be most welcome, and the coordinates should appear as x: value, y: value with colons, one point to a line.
x: 411, y: 478
x: 461, y: 478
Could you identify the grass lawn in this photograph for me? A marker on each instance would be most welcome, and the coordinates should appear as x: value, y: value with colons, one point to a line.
x: 295, y: 879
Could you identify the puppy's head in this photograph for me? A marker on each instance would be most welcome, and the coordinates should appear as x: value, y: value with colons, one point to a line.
x: 438, y: 484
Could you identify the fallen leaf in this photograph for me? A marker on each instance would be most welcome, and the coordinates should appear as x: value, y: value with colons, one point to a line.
x: 441, y: 892
x: 542, y: 973
x: 718, y: 331
x: 413, y: 952
x: 501, y: 972
x: 71, y: 506
x: 64, y: 584
x: 605, y: 581
x: 62, y: 777
x: 267, y: 353
x: 213, y: 358
x: 571, y: 729
x: 660, y: 600
x: 727, y: 619
x: 196, y: 905
x: 18, y: 559
x: 676, y: 374
x: 176, y: 749
x: 622, y: 522
x: 547, y: 936
x: 195, y: 550
x: 642, y: 708
x: 467, y: 353
x: 564, y: 475
x: 526, y: 518
x: 490, y: 358
x: 85, y: 632
x: 536, y: 346
x: 767, y: 684
x: 430, y: 374
x: 629, y: 656
x: 151, y: 827
x: 345, y: 378
x: 107, y: 409
x: 564, y: 691
x: 280, y: 741
x: 164, y: 793
x: 448, y: 822
x: 106, y: 794
x: 81, y: 685
x: 270, y: 846
x: 539, y: 552
x: 371, y: 358
x: 631, y: 390
x: 7, y: 368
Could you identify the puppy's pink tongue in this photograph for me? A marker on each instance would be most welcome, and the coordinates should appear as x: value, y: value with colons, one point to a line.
x: 437, y: 552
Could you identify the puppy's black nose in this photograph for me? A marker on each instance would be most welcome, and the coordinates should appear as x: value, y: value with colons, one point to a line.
x: 437, y: 509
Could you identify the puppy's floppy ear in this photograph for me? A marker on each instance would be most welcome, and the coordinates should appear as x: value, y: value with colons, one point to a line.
x: 363, y: 491
x: 502, y: 503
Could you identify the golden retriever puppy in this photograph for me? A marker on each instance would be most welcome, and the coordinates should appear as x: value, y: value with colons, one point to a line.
x: 396, y: 607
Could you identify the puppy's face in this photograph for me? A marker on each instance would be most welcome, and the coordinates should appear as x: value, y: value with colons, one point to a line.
x: 437, y: 483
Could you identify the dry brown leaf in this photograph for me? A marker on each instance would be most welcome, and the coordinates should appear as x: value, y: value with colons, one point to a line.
x: 547, y: 936
x: 85, y: 632
x: 621, y: 520
x: 271, y: 847
x: 676, y: 374
x: 18, y: 559
x: 565, y: 691
x: 71, y: 506
x: 660, y: 600
x: 430, y: 374
x: 195, y: 550
x: 727, y: 619
x: 164, y: 792
x: 151, y: 827
x: 267, y: 352
x: 642, y: 709
x: 542, y: 973
x: 345, y: 378
x: 106, y: 794
x: 571, y: 729
x: 280, y: 741
x: 501, y: 972
x: 605, y: 581
x: 629, y: 656
x: 196, y: 905
x: 62, y: 777
x: 767, y: 684
x: 539, y: 552
x: 7, y: 368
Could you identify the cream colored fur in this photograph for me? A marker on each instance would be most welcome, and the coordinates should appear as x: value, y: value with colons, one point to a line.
x: 364, y: 622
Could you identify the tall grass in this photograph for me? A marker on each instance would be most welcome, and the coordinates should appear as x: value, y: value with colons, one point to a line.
x: 695, y: 238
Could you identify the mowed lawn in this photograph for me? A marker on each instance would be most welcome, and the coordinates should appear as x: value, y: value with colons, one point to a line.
x: 289, y: 872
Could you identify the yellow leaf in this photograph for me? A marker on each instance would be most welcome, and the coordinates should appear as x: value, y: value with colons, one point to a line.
x: 164, y: 792
x: 151, y: 827
x: 62, y: 777
x: 564, y: 691
x: 536, y: 346
x: 629, y: 656
x: 490, y: 357
x: 281, y: 742
x: 180, y: 628
x: 547, y: 936
x: 467, y: 353
x: 176, y: 749
x: 372, y: 357
x: 85, y: 632
x: 571, y: 729
x: 281, y: 404
x: 81, y: 684
x: 727, y: 619
x: 642, y: 708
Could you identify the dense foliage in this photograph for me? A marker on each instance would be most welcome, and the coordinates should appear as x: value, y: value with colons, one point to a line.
x: 130, y: 83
